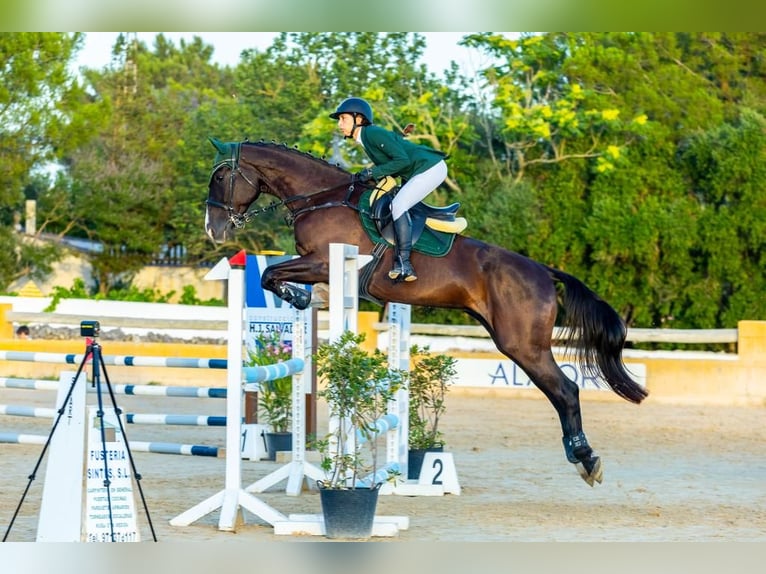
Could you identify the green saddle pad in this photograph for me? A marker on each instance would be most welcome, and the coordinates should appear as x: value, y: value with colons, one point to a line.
x: 430, y: 242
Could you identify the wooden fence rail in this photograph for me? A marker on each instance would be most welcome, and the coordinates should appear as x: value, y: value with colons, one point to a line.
x: 634, y: 335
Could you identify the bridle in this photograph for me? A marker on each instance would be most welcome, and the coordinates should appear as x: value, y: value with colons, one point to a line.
x: 239, y: 220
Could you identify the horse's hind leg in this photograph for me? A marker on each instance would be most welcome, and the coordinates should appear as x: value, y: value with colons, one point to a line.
x: 523, y: 333
x: 564, y: 395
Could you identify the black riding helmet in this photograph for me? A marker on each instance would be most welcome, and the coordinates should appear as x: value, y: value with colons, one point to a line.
x: 355, y: 107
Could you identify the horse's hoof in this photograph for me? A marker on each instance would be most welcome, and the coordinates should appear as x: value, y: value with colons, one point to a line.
x: 596, y: 472
x: 320, y: 296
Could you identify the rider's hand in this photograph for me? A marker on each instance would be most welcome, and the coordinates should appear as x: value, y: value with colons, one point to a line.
x: 364, y: 175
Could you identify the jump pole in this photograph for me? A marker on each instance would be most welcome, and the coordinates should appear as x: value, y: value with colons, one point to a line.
x: 118, y: 389
x: 397, y: 443
x: 233, y: 497
x: 345, y: 263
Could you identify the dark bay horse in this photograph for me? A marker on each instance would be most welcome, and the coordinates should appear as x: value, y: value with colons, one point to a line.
x: 514, y: 297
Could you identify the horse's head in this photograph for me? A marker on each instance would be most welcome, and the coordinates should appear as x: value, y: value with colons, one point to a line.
x: 230, y: 193
x: 243, y: 171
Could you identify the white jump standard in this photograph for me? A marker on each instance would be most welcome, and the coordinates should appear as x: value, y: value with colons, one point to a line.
x: 233, y: 497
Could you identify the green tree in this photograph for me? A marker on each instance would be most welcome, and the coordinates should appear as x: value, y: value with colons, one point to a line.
x: 585, y: 140
x: 41, y: 118
x: 129, y: 188
x: 727, y: 176
x: 545, y: 115
x: 628, y: 159
x: 644, y: 226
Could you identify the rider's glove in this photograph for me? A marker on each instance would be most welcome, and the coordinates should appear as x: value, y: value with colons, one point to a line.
x: 364, y: 175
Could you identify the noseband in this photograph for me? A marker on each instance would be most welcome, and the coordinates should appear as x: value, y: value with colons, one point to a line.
x: 238, y: 220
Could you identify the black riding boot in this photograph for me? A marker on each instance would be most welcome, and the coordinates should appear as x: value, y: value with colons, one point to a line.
x: 402, y: 269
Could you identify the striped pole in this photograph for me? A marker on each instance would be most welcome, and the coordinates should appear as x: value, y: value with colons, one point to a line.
x: 185, y: 420
x: 174, y: 448
x: 115, y: 360
x: 381, y: 426
x: 146, y: 390
x: 130, y: 418
x: 253, y: 376
x: 23, y: 411
x: 139, y: 446
x: 381, y: 475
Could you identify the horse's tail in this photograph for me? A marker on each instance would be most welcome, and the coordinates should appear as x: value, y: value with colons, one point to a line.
x: 597, y: 334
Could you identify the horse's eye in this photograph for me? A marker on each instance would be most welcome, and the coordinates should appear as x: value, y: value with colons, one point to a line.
x: 219, y: 177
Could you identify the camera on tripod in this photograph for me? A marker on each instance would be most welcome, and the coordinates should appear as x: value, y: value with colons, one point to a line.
x: 90, y: 329
x: 120, y: 526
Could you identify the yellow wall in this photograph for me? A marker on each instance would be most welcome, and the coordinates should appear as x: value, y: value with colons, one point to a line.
x: 740, y: 380
x: 167, y: 279
x: 678, y: 377
x: 162, y: 279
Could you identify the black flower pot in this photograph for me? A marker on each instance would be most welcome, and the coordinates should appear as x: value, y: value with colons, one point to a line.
x: 415, y: 460
x: 277, y: 442
x: 350, y: 512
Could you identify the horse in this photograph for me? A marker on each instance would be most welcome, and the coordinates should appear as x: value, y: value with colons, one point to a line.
x: 514, y: 297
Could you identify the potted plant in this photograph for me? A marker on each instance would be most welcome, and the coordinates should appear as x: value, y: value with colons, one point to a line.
x: 274, y: 397
x: 429, y: 380
x: 357, y: 386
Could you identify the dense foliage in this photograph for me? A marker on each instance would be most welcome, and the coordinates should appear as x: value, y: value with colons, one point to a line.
x: 634, y: 161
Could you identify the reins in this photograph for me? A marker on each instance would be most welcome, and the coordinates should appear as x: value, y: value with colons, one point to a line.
x: 346, y: 202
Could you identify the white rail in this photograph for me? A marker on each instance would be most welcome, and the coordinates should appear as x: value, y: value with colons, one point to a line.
x: 682, y: 336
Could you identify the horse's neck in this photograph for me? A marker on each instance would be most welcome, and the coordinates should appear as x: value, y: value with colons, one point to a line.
x: 300, y: 175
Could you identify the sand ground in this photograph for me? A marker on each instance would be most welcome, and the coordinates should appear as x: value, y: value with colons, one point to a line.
x: 671, y: 473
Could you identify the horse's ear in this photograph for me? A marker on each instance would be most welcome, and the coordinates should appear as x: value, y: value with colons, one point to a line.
x: 219, y: 145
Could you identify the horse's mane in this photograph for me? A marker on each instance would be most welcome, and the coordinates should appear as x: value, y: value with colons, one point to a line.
x: 295, y: 151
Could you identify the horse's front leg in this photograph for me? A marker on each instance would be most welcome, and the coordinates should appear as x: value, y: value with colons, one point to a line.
x: 280, y: 279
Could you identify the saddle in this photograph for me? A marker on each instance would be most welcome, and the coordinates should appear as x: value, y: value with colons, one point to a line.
x: 433, y: 228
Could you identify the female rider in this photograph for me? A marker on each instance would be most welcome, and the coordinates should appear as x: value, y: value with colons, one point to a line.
x: 421, y: 169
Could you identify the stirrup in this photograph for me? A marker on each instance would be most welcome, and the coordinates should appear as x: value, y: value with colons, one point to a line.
x: 409, y: 275
x: 403, y: 271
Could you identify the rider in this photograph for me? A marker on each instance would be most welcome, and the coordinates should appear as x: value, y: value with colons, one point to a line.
x: 421, y: 169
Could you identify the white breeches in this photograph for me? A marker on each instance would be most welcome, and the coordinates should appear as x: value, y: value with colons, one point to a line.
x: 417, y: 188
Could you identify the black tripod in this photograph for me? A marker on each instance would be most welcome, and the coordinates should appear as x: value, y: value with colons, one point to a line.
x: 91, y: 329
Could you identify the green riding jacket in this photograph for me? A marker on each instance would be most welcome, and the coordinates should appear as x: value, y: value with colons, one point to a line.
x: 395, y: 156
